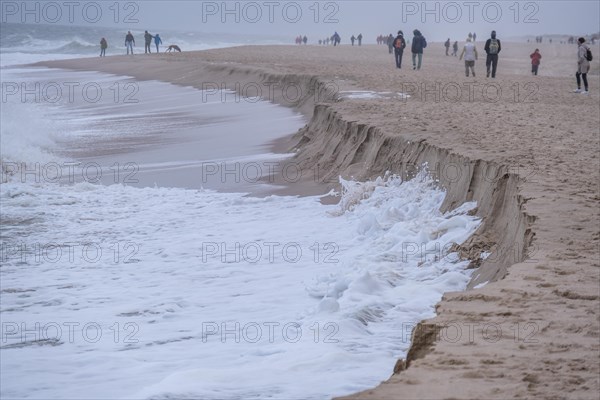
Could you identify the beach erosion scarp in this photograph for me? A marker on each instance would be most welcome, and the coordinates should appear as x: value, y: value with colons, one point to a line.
x: 515, y: 156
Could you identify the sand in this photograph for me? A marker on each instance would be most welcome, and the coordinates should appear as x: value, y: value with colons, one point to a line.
x: 528, y: 156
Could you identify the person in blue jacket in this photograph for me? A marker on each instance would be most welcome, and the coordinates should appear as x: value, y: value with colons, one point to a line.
x: 157, y: 41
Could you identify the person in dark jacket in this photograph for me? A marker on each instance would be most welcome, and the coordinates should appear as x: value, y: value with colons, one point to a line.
x: 148, y: 38
x: 418, y: 44
x: 359, y: 38
x: 129, y: 42
x: 399, y: 45
x: 336, y: 39
x: 447, y: 45
x: 390, y: 43
x: 583, y: 66
x: 103, y: 47
x: 492, y: 49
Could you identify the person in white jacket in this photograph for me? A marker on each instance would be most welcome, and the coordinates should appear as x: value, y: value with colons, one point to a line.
x: 470, y: 53
x: 583, y: 66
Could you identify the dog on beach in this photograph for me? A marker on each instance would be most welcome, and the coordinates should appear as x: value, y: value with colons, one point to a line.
x: 173, y: 47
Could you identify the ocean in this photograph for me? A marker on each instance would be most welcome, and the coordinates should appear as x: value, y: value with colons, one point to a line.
x: 145, y: 256
x: 28, y: 43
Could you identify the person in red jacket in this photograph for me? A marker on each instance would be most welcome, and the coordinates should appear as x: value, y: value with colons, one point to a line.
x: 535, y: 61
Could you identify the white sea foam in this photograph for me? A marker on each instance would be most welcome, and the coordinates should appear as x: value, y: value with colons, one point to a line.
x: 137, y: 291
x: 340, y: 302
x: 370, y: 95
x: 28, y: 43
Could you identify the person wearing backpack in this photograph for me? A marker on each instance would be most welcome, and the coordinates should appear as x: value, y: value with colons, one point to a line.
x: 583, y: 65
x: 418, y: 44
x: 399, y: 45
x: 492, y: 49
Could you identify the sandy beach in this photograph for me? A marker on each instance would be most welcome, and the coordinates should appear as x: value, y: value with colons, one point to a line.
x: 524, y: 147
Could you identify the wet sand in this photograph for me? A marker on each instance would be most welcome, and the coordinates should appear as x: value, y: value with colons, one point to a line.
x: 164, y: 135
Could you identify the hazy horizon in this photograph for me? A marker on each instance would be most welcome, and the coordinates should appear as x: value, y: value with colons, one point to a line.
x: 437, y: 20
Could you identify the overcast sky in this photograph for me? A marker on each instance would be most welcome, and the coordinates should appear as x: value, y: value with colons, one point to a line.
x: 436, y: 19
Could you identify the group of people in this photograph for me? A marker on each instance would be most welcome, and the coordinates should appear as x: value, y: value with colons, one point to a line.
x: 492, y: 48
x: 383, y: 39
x: 592, y: 39
x: 419, y: 43
x: 569, y: 40
x: 454, y: 47
x: 357, y: 38
x: 335, y: 39
x: 301, y: 39
x: 398, y: 45
x: 148, y: 42
x: 130, y: 43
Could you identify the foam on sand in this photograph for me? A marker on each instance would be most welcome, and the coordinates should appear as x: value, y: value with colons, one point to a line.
x: 197, y: 296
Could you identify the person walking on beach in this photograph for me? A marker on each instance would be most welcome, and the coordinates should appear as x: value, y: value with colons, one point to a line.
x: 359, y: 38
x: 447, y: 45
x: 148, y: 39
x: 336, y: 39
x: 103, y: 47
x: 470, y: 54
x: 399, y: 45
x: 474, y: 37
x: 129, y: 42
x: 455, y: 48
x: 418, y: 44
x: 583, y: 66
x: 390, y: 43
x: 352, y: 39
x: 492, y: 49
x: 157, y: 41
x: 535, y: 61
